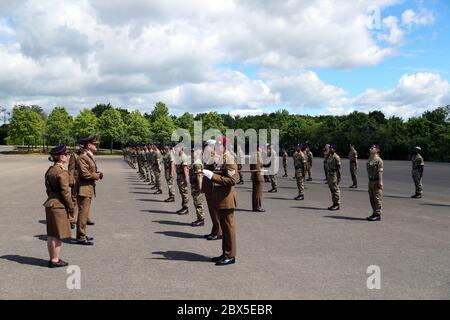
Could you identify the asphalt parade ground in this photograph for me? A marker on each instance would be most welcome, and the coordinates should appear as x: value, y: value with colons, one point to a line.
x: 296, y: 250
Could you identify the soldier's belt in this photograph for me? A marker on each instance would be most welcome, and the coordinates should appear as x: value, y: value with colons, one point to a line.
x: 374, y: 179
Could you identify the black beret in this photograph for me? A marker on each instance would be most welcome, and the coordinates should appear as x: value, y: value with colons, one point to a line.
x: 59, y: 150
x: 86, y: 141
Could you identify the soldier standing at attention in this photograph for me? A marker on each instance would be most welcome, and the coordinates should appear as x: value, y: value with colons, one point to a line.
x: 211, y: 164
x: 240, y: 161
x: 375, y: 175
x: 285, y: 163
x: 353, y: 158
x: 300, y: 166
x: 73, y: 184
x: 182, y: 180
x: 326, y: 153
x: 273, y: 177
x: 257, y: 181
x: 169, y: 171
x: 58, y: 205
x: 87, y: 176
x: 196, y: 177
x: 224, y: 193
x: 418, y: 165
x: 150, y: 165
x: 157, y: 168
x: 334, y: 177
x: 309, y: 158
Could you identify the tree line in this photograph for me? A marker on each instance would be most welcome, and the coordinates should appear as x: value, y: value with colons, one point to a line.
x: 115, y: 127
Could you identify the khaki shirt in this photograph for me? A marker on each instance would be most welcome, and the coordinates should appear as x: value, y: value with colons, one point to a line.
x: 167, y: 160
x: 417, y: 162
x: 310, y: 157
x: 374, y: 167
x: 299, y: 160
x: 333, y: 163
x: 57, y: 188
x: 183, y: 162
x: 353, y: 155
x: 87, y: 175
x: 194, y: 169
x: 224, y: 190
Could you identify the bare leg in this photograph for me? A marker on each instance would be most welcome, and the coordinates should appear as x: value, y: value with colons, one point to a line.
x: 54, y: 248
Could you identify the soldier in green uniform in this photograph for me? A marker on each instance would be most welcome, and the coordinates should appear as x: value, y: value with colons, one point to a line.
x: 169, y: 171
x: 149, y: 162
x: 157, y: 168
x: 353, y: 158
x: 326, y: 153
x: 196, y: 177
x: 285, y: 163
x: 141, y: 162
x: 240, y: 158
x: 273, y: 177
x: 182, y: 170
x: 334, y: 177
x: 300, y: 164
x: 418, y: 165
x: 375, y: 175
x: 309, y: 158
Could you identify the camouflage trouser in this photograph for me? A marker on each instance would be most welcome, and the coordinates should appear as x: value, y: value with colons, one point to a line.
x: 354, y: 173
x: 334, y: 188
x: 325, y: 169
x: 285, y: 169
x: 197, y: 198
x: 299, y: 176
x: 146, y: 171
x: 169, y: 180
x: 309, y: 170
x: 417, y: 177
x: 157, y: 174
x: 376, y: 197
x: 183, y: 188
x: 140, y: 169
x: 273, y: 181
x: 150, y: 176
x: 241, y: 177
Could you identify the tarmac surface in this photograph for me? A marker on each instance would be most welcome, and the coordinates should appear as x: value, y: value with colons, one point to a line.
x: 296, y: 250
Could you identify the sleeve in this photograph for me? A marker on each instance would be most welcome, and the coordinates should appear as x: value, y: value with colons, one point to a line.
x: 71, y: 169
x: 63, y: 179
x: 85, y: 173
x: 380, y: 166
x: 228, y: 179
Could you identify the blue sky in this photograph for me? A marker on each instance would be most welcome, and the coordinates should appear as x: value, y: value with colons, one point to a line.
x: 243, y: 57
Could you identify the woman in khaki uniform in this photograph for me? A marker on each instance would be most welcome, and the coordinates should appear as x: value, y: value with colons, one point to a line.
x: 58, y: 205
x: 224, y: 194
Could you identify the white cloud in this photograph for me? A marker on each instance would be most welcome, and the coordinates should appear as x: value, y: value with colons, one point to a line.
x: 423, y: 18
x: 395, y: 36
x: 413, y: 95
x: 132, y: 53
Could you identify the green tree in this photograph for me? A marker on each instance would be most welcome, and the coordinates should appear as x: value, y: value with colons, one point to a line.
x: 100, y: 108
x: 161, y: 124
x: 59, y: 126
x: 85, y: 124
x: 26, y: 126
x: 137, y: 128
x: 111, y: 126
x: 186, y: 121
x: 211, y: 120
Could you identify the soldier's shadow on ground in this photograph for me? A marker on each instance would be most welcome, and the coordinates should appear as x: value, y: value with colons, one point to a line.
x: 26, y: 260
x: 159, y: 211
x: 43, y: 237
x: 172, y: 223
x: 180, y: 256
x: 310, y: 208
x: 436, y: 205
x: 345, y: 218
x: 149, y: 200
x: 178, y: 234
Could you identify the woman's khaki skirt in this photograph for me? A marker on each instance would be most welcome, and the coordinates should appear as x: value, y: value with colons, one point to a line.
x: 58, y: 225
